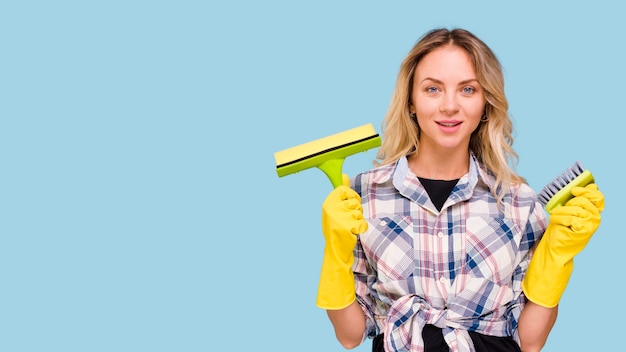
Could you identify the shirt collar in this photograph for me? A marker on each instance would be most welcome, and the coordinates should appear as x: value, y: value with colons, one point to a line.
x: 403, y: 179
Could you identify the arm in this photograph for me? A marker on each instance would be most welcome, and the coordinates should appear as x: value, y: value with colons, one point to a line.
x: 342, y: 222
x: 571, y: 227
x: 535, y: 323
x: 349, y: 324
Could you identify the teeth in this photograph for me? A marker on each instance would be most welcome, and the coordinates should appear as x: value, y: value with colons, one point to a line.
x: 448, y: 124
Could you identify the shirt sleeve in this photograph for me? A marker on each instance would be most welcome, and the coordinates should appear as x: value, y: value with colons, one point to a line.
x: 364, y: 277
x: 364, y: 274
x: 532, y: 233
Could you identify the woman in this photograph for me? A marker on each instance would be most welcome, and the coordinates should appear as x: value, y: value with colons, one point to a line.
x: 446, y: 229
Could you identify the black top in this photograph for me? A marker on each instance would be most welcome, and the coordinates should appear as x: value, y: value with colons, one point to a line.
x: 438, y: 190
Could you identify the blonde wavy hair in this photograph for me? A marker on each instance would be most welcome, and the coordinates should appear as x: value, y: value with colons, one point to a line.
x: 491, y: 142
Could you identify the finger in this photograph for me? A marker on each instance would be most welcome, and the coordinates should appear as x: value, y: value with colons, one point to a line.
x: 590, y: 187
x: 352, y: 204
x: 346, y: 179
x: 345, y: 193
x: 350, y: 200
x: 360, y: 228
x: 584, y: 203
x: 569, y: 215
x: 577, y: 225
x: 592, y: 193
x: 338, y: 195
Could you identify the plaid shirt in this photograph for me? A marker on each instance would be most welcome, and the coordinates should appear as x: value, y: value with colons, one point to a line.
x: 460, y: 268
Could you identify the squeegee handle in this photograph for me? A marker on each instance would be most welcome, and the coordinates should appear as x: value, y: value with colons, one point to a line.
x: 332, y: 169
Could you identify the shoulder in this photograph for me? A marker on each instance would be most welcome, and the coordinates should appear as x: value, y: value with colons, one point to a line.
x: 373, y: 178
x: 515, y: 192
x: 521, y: 205
x: 523, y: 194
x: 519, y: 199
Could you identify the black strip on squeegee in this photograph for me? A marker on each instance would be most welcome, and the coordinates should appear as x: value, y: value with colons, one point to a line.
x: 326, y: 151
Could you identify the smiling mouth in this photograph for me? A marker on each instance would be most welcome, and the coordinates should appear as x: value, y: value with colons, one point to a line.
x: 448, y: 124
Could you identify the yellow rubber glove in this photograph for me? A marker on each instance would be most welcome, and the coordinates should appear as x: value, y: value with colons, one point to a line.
x: 570, y: 229
x: 342, y: 221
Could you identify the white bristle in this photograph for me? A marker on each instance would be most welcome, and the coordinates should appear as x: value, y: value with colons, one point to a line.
x: 559, y: 182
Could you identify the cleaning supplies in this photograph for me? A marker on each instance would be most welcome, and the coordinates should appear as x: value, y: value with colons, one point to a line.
x: 574, y: 203
x: 558, y: 191
x: 327, y: 154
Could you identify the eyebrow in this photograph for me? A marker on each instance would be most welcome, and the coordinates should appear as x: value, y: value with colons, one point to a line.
x: 440, y: 82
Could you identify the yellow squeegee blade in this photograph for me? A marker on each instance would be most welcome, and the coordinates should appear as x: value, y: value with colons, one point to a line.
x: 337, y: 146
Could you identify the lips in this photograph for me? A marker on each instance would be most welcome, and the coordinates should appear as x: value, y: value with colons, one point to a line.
x: 448, y: 123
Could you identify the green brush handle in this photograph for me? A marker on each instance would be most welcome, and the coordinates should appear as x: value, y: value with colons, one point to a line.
x: 565, y: 194
x: 332, y: 169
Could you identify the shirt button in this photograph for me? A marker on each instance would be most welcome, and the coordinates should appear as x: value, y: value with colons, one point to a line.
x: 440, y: 234
x: 442, y: 279
x: 383, y: 223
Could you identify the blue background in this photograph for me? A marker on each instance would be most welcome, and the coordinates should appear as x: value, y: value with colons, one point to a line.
x: 140, y: 209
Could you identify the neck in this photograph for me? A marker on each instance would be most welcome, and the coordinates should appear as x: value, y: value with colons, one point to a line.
x: 439, y: 166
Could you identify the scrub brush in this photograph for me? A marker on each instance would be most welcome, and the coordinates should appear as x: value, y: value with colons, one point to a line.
x: 558, y: 192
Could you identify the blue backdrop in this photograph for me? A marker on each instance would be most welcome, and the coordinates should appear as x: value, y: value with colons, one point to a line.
x: 140, y: 209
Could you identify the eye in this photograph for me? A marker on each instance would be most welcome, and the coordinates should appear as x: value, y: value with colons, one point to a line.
x: 431, y: 89
x: 468, y: 90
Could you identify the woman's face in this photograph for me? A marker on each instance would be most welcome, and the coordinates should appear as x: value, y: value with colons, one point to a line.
x: 447, y: 99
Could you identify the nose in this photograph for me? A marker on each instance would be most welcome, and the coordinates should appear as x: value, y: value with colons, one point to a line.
x: 449, y: 104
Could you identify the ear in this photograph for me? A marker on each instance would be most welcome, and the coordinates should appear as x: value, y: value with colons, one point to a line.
x: 412, y: 113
